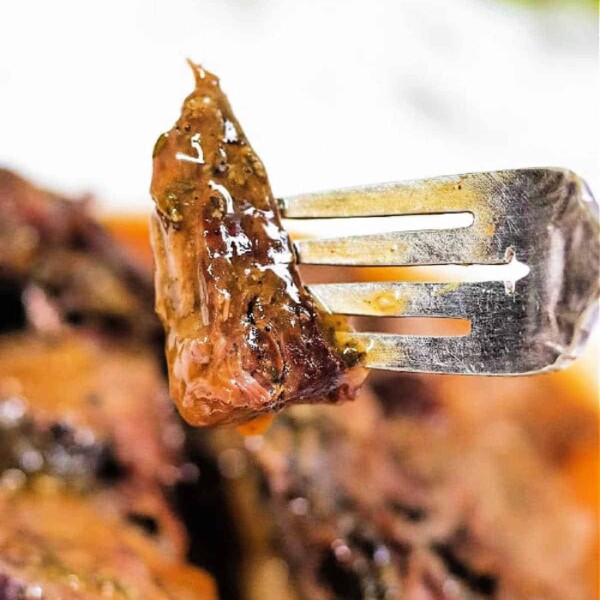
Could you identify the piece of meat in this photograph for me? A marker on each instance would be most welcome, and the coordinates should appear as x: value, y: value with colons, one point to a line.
x: 94, y: 415
x: 397, y: 496
x: 57, y: 545
x: 66, y: 265
x: 90, y: 454
x: 243, y: 336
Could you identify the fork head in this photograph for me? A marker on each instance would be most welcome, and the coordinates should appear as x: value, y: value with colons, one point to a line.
x: 545, y: 218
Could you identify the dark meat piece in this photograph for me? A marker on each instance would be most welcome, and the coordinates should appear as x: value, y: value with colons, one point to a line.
x: 384, y: 499
x: 67, y: 265
x: 243, y: 336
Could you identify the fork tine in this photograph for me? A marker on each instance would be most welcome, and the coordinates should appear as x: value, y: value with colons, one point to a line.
x: 459, y: 355
x: 514, y: 330
x: 506, y: 208
x: 408, y: 299
x: 455, y: 193
x: 503, y: 338
x: 455, y: 246
x: 417, y: 354
x: 501, y: 341
x: 483, y: 242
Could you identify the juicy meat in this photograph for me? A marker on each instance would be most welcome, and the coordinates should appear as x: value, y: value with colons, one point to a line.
x: 243, y: 336
x: 399, y: 496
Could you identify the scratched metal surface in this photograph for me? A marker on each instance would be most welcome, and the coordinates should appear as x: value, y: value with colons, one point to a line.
x: 545, y: 218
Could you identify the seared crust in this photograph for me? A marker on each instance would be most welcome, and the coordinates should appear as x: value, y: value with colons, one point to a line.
x: 243, y: 336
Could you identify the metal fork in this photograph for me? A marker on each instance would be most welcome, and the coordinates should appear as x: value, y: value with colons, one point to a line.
x: 546, y: 218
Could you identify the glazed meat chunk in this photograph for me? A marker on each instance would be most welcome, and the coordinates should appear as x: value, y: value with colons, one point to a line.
x: 243, y: 336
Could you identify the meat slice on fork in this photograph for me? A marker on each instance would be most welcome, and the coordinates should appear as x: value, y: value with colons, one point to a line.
x: 243, y: 335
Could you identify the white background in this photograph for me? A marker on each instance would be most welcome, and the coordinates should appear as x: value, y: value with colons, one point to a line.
x: 330, y: 93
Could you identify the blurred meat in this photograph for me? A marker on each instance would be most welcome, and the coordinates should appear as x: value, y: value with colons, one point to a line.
x: 93, y: 414
x: 89, y: 459
x: 427, y: 487
x: 400, y: 496
x: 53, y: 246
x: 58, y: 545
x: 90, y: 447
x: 243, y: 336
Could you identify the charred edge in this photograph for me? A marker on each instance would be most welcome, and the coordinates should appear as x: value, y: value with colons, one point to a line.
x: 58, y: 453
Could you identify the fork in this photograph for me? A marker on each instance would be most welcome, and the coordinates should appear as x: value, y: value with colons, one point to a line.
x: 545, y: 218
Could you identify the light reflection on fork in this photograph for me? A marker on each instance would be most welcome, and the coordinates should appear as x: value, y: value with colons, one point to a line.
x: 544, y: 218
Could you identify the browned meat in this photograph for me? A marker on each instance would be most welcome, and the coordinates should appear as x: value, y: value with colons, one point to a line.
x: 243, y: 336
x: 57, y: 545
x: 88, y: 453
x: 93, y: 415
x: 89, y: 441
x: 66, y: 265
x: 89, y: 457
x: 399, y: 496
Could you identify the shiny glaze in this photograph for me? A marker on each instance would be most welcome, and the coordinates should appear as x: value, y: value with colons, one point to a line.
x: 243, y: 336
